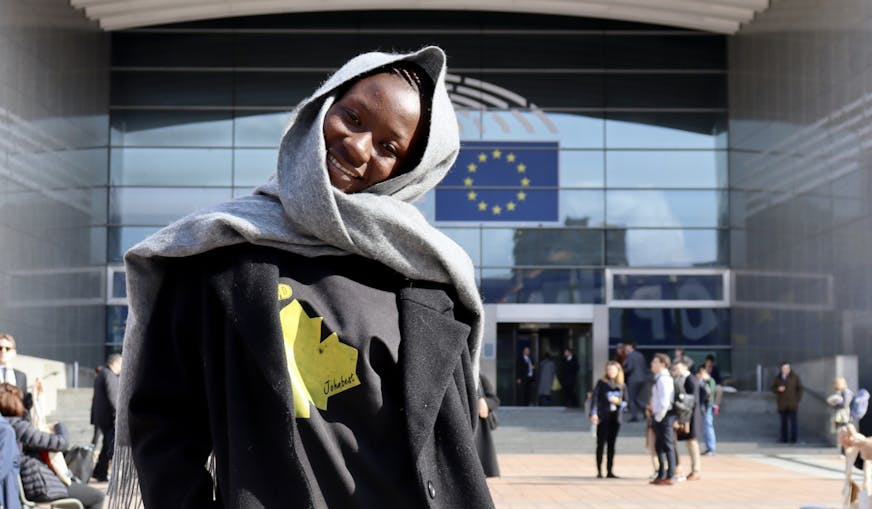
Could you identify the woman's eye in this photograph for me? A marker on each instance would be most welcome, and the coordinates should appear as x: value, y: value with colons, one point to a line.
x: 353, y: 117
x: 390, y: 149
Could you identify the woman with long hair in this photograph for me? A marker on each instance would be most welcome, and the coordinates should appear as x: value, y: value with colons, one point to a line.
x: 609, y: 398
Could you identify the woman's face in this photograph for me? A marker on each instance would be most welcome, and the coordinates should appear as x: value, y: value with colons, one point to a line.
x: 611, y: 371
x: 370, y: 131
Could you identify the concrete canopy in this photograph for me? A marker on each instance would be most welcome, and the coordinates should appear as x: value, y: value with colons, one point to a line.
x: 720, y: 16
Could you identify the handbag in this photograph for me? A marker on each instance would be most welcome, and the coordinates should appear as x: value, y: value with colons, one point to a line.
x: 80, y: 461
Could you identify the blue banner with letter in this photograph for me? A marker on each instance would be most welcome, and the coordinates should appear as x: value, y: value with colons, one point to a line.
x: 501, y: 181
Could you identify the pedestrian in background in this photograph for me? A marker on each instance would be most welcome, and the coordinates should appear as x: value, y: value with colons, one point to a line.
x: 788, y: 391
x: 711, y: 367
x: 840, y: 402
x: 105, y: 403
x: 567, y: 375
x: 524, y: 373
x: 691, y: 430
x: 708, y: 390
x: 636, y: 375
x: 608, y: 400
x: 620, y: 353
x: 547, y: 375
x: 662, y: 395
x: 8, y: 373
x: 681, y: 356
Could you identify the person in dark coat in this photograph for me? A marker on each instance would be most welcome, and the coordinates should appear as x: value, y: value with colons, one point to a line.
x: 104, y: 404
x: 319, y: 339
x: 9, y: 460
x: 488, y: 402
x: 525, y: 375
x: 636, y: 374
x: 607, y: 404
x: 10, y: 375
x: 691, y: 432
x: 40, y: 483
x: 567, y: 375
x: 788, y: 391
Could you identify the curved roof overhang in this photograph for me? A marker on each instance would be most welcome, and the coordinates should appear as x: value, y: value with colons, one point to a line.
x: 720, y: 16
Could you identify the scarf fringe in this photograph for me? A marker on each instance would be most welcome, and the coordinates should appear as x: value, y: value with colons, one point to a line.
x: 124, y: 482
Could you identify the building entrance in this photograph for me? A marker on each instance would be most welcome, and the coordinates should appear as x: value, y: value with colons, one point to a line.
x: 546, y: 342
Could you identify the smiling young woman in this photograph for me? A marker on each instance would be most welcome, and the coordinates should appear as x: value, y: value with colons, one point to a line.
x: 283, y: 334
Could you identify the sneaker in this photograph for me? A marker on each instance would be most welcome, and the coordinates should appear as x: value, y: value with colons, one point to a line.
x: 709, y: 453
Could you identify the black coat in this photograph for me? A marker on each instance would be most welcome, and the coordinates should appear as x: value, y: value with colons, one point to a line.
x: 484, y: 441
x: 600, y: 400
x: 635, y: 369
x: 212, y: 376
x: 103, y: 406
x: 39, y: 481
x: 693, y: 387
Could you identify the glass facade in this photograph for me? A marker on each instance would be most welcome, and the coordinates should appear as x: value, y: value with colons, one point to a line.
x: 628, y: 122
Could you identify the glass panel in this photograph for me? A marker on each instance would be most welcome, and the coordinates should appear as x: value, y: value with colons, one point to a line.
x: 666, y: 168
x: 667, y: 287
x: 253, y: 167
x: 284, y: 89
x: 123, y: 238
x: 172, y: 128
x: 551, y: 51
x: 116, y: 322
x: 469, y: 239
x: 665, y: 51
x: 260, y: 130
x: 427, y: 205
x: 661, y: 328
x: 543, y: 286
x: 666, y: 130
x: 172, y: 88
x: 545, y: 90
x: 119, y: 284
x: 666, y: 208
x: 582, y: 208
x: 539, y: 246
x: 667, y: 248
x: 666, y: 90
x: 570, y: 130
x: 171, y: 166
x: 173, y: 49
x: 581, y: 168
x: 159, y: 206
x: 295, y: 49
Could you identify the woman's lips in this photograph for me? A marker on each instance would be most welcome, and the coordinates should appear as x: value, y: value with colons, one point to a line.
x: 334, y: 164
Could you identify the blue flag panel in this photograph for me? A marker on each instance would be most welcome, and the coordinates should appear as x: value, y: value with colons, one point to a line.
x: 501, y: 181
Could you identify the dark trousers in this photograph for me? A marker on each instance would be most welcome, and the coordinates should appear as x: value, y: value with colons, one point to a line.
x: 636, y: 396
x: 788, y: 420
x: 525, y: 388
x: 664, y: 444
x: 90, y: 497
x: 606, y: 435
x: 101, y: 471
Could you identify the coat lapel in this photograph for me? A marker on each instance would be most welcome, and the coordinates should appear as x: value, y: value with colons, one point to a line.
x: 432, y: 343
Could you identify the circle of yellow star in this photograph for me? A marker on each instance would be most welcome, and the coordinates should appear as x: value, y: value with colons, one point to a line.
x: 496, y: 210
x: 471, y: 167
x: 471, y: 196
x: 510, y: 206
x: 482, y: 157
x: 522, y: 168
x: 496, y: 153
x: 525, y: 182
x: 521, y: 196
x: 482, y: 206
x: 467, y: 181
x: 510, y: 158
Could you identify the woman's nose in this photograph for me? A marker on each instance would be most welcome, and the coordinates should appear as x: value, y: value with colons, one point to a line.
x: 359, y: 147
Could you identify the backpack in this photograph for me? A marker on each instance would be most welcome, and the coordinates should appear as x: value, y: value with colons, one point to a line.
x: 682, y: 403
x: 859, y: 404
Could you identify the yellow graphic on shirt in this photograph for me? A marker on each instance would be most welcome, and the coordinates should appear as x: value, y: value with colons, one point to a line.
x: 318, y: 369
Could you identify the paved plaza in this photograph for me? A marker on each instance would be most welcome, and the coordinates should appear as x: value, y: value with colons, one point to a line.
x: 547, y: 461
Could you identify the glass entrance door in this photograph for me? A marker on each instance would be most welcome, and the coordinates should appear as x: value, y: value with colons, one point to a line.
x: 547, y: 342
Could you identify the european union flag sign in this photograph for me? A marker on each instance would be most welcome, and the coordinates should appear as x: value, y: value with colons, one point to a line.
x: 500, y: 181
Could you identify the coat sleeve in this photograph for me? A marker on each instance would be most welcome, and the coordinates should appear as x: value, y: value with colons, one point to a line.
x: 168, y: 417
x: 112, y: 390
x: 33, y: 440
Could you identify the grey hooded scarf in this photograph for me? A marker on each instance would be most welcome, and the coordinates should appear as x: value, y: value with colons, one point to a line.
x: 299, y: 211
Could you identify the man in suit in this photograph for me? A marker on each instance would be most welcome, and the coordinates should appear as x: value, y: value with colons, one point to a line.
x: 568, y: 377
x: 106, y: 389
x: 524, y: 375
x: 10, y: 375
x: 636, y: 375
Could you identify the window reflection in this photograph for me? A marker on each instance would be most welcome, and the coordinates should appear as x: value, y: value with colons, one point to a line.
x: 666, y: 208
x: 666, y: 130
x: 541, y: 286
x: 666, y: 168
x: 668, y: 287
x: 666, y: 247
x: 172, y: 128
x: 581, y: 168
x: 159, y: 206
x: 582, y: 208
x: 253, y: 167
x: 670, y: 327
x: 171, y: 166
x: 568, y: 129
x: 539, y: 246
x: 123, y: 238
x: 260, y: 129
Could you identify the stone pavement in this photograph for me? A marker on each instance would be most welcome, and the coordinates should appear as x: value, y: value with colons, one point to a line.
x: 547, y: 460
